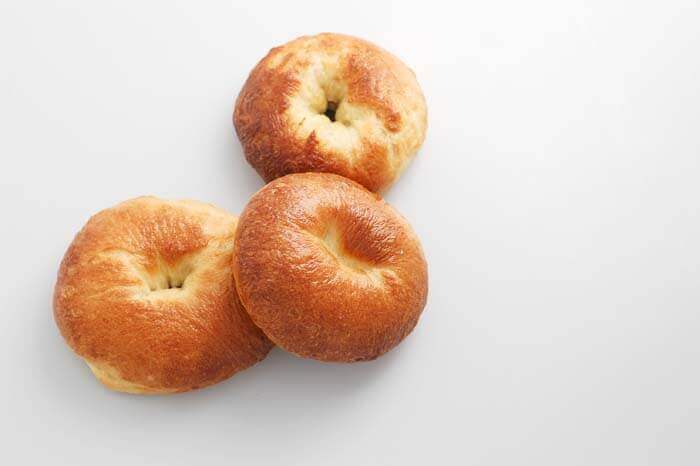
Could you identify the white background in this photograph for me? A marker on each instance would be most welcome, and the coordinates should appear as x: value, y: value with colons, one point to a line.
x: 557, y: 197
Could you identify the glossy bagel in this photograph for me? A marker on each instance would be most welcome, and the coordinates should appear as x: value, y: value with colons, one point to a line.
x: 327, y: 269
x: 331, y: 103
x: 146, y: 296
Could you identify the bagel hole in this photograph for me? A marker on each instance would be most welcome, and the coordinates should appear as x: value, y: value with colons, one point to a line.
x: 174, y: 283
x: 175, y: 279
x: 331, y: 107
x: 167, y: 282
x: 168, y: 277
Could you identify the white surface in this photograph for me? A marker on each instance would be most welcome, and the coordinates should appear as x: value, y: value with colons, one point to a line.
x: 557, y: 197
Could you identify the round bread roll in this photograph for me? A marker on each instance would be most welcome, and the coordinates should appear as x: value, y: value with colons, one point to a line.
x: 327, y: 269
x: 331, y: 103
x: 145, y: 295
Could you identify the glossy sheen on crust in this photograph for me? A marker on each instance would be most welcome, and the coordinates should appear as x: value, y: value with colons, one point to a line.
x: 381, y: 117
x: 145, y: 295
x: 328, y: 269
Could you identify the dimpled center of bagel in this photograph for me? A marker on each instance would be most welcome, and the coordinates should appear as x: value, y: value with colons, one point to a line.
x: 334, y: 244
x: 168, y: 276
x: 320, y: 106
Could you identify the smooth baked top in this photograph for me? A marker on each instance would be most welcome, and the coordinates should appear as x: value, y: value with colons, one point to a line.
x: 146, y: 291
x: 327, y: 269
x: 284, y: 112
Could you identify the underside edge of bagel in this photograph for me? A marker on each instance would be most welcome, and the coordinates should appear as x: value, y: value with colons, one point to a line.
x: 111, y: 379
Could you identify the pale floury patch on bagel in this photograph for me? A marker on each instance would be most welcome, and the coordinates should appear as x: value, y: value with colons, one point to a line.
x: 145, y: 294
x: 327, y: 269
x: 331, y: 103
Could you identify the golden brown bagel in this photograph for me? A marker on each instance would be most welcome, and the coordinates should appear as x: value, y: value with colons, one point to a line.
x: 331, y: 103
x: 327, y: 269
x: 145, y: 295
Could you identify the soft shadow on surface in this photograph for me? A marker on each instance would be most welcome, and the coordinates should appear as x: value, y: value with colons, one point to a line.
x: 284, y: 387
x: 279, y: 387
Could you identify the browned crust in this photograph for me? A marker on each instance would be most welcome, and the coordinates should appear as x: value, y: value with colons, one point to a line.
x: 147, y: 342
x: 375, y: 80
x: 350, y: 304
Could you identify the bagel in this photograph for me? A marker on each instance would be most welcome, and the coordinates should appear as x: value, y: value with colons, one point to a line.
x: 331, y: 103
x: 145, y: 296
x: 327, y: 269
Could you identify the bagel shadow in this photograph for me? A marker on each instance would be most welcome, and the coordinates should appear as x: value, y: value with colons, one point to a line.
x: 282, y: 386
